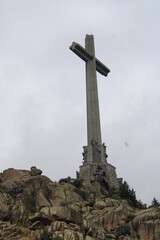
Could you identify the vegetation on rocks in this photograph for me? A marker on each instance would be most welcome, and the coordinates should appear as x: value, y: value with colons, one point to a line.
x: 155, y: 203
x: 47, y: 236
x: 123, y: 230
x: 124, y: 192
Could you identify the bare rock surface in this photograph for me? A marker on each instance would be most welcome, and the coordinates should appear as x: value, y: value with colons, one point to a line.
x: 31, y: 205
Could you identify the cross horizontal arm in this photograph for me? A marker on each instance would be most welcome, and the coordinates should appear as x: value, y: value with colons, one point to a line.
x: 84, y: 55
x: 101, y: 68
x: 81, y: 52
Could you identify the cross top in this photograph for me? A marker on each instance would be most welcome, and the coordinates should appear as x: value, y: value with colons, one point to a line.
x: 88, y: 53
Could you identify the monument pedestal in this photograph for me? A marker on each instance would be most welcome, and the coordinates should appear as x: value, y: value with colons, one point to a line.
x: 102, y: 173
x: 96, y: 168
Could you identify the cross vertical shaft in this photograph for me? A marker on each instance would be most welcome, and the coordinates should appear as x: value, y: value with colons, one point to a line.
x: 93, y: 116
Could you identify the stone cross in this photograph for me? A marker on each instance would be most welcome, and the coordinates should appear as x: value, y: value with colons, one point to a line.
x: 95, y: 158
x: 92, y: 65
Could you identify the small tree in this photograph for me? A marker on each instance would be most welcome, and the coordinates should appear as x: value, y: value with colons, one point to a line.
x: 155, y: 203
x: 126, y: 193
x: 45, y: 236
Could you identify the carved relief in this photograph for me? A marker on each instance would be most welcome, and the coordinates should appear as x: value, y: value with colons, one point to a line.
x: 100, y: 176
x: 104, y: 147
x: 96, y: 149
x: 84, y: 153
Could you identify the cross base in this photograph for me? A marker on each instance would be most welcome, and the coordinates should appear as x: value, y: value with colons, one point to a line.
x: 95, y: 166
x: 105, y: 174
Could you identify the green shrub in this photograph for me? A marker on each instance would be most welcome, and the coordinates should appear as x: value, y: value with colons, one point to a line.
x: 126, y: 193
x: 63, y: 204
x: 9, y: 218
x: 116, y: 196
x: 81, y: 193
x: 122, y: 230
x: 155, y: 203
x: 156, y: 238
x: 129, y: 218
x: 129, y: 194
x: 140, y: 205
x: 47, y: 193
x: 77, y: 183
x: 45, y: 236
x: 113, y: 193
x: 30, y: 201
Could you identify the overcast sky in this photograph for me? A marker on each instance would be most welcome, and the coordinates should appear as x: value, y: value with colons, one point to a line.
x: 42, y: 87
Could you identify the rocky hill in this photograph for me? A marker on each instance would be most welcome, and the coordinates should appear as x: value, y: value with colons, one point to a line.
x: 32, y: 207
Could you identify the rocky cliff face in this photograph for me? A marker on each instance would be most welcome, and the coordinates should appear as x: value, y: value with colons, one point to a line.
x: 33, y: 207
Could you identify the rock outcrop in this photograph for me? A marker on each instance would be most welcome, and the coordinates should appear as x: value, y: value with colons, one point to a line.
x: 32, y: 206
